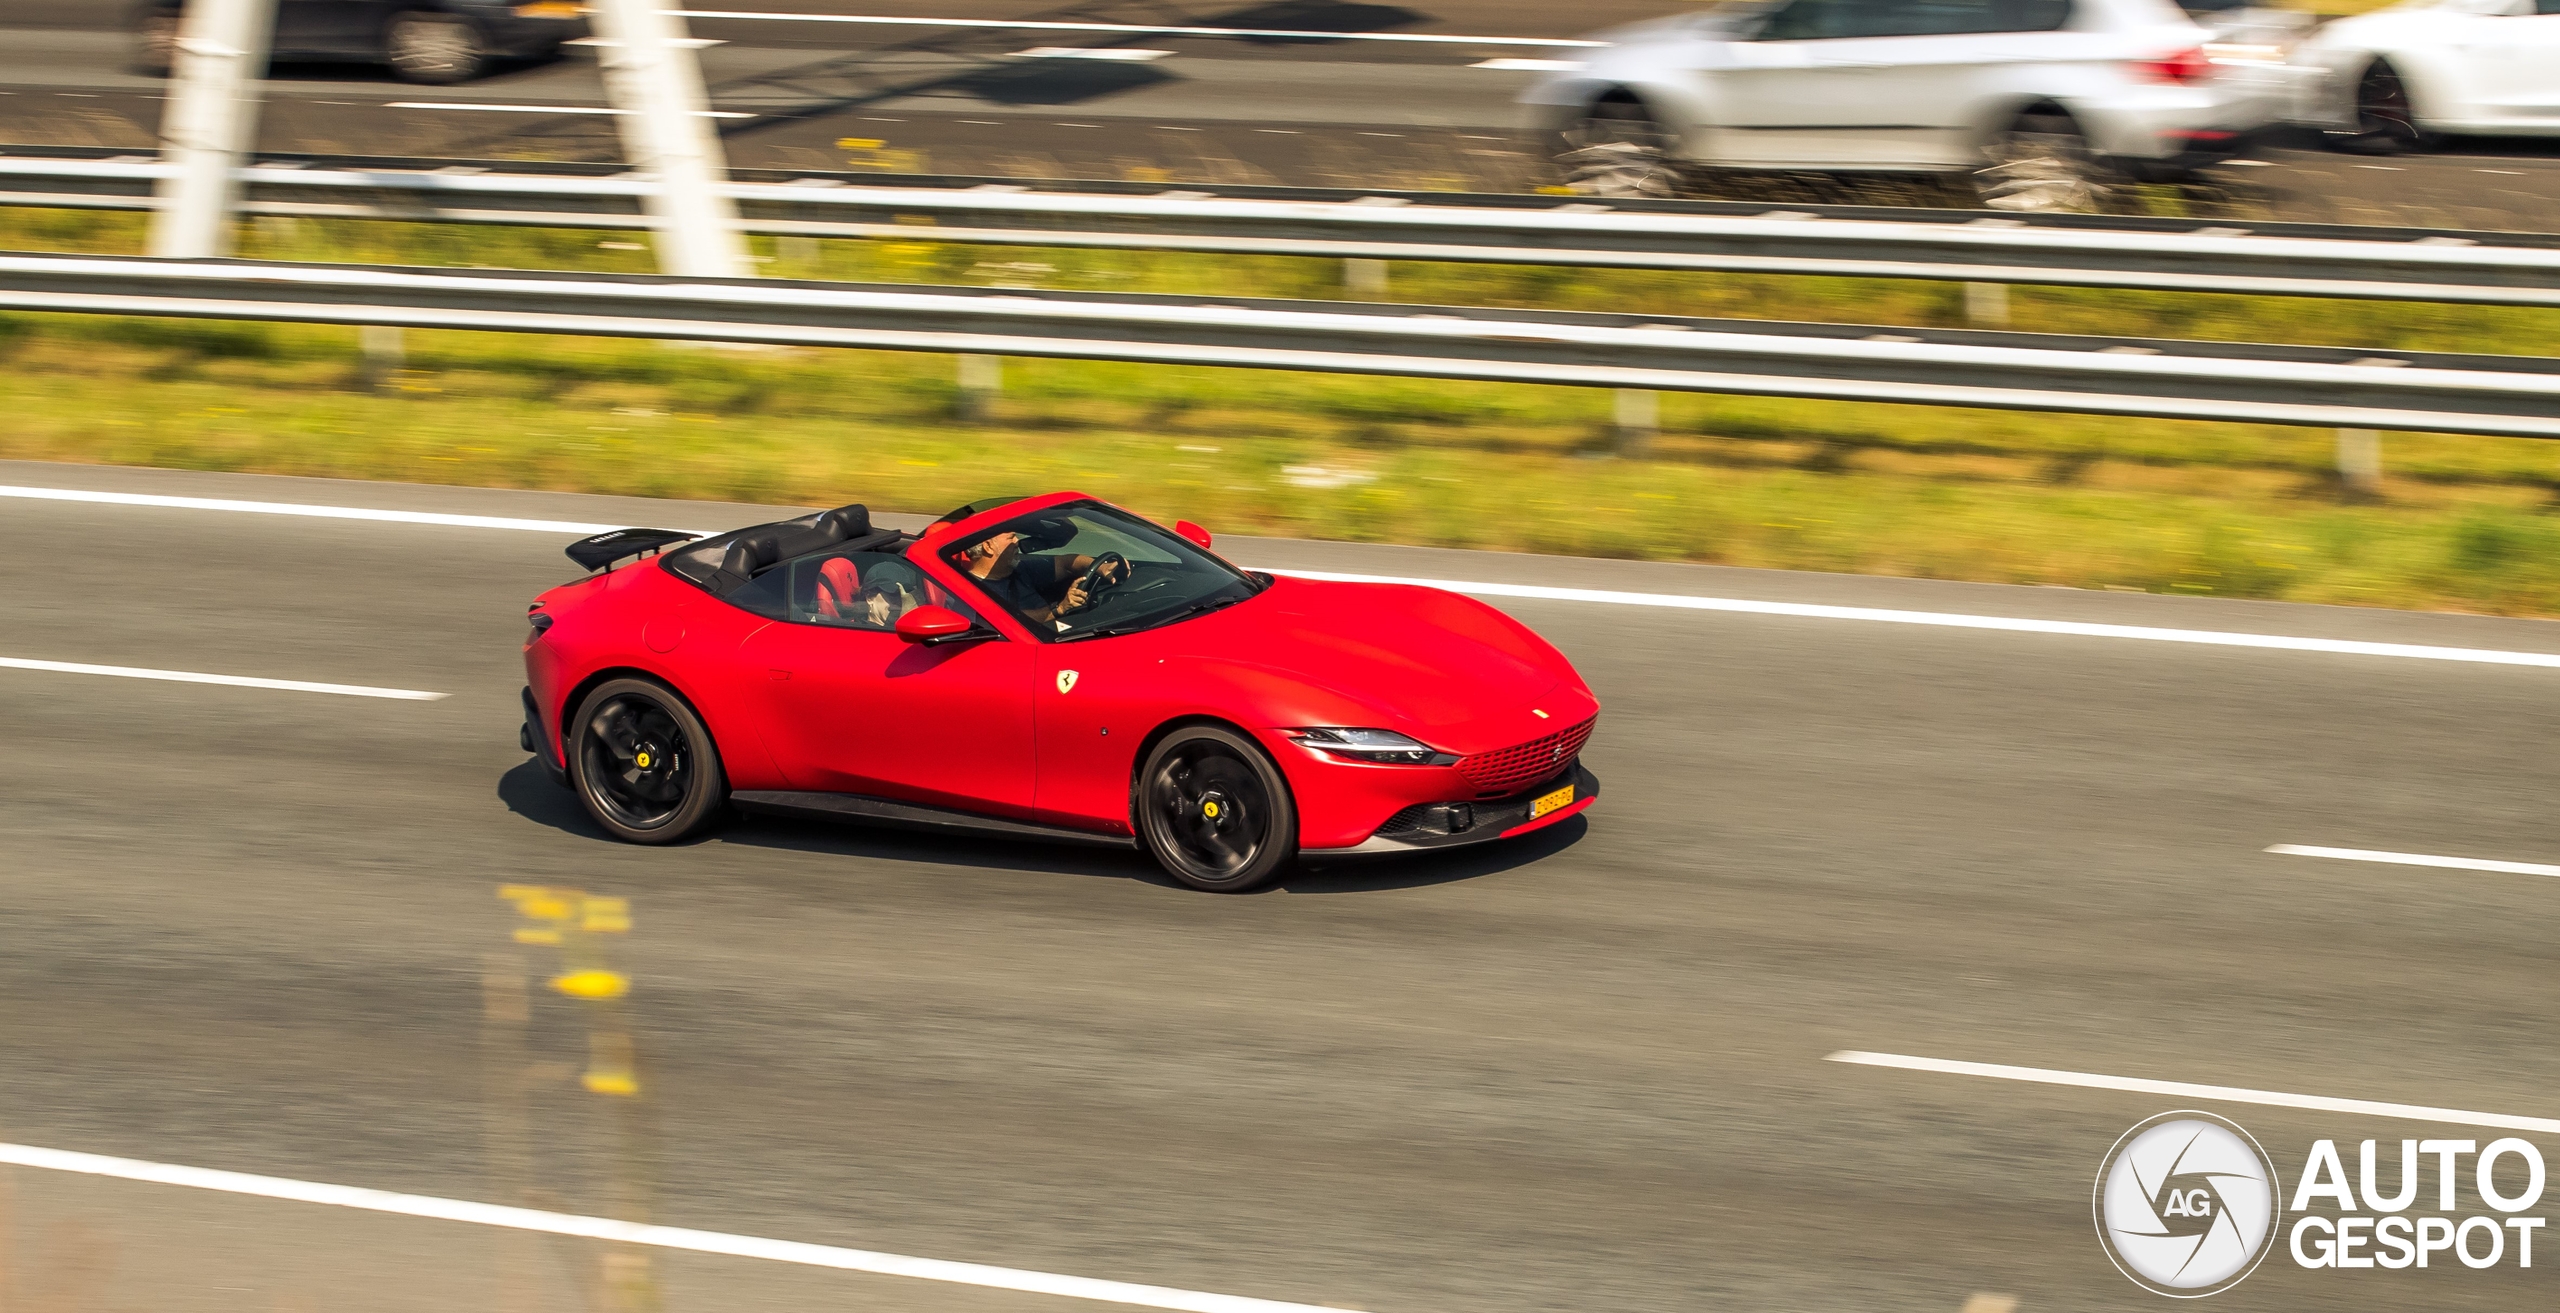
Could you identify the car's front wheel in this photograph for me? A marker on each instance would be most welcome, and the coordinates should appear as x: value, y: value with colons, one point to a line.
x: 1617, y: 148
x: 1215, y: 811
x: 644, y: 764
x: 435, y: 49
x: 2386, y: 120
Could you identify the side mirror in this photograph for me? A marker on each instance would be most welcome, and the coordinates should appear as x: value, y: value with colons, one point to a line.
x: 1192, y: 533
x: 926, y: 624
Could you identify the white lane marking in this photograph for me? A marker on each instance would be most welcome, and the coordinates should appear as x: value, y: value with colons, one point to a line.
x: 663, y: 1237
x: 316, y: 512
x: 543, y: 109
x: 2006, y: 624
x: 1528, y: 65
x: 1123, y: 54
x: 2221, y: 1093
x: 1005, y: 24
x: 1533, y: 592
x: 234, y: 681
x: 2414, y: 859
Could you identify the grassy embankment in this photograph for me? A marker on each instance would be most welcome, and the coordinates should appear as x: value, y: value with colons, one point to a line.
x: 2233, y: 510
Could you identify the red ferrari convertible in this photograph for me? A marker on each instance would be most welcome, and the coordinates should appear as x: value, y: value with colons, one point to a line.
x: 1046, y: 667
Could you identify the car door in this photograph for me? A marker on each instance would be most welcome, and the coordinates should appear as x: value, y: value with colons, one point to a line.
x: 327, y: 27
x: 2515, y: 59
x: 850, y: 707
x: 1891, y: 83
x: 1775, y: 97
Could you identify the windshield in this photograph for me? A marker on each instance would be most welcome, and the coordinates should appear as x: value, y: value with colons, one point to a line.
x: 1084, y: 570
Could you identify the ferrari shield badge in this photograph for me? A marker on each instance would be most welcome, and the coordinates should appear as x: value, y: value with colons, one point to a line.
x: 1066, y: 680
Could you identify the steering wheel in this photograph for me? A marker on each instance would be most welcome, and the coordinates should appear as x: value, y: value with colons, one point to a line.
x: 1095, y: 584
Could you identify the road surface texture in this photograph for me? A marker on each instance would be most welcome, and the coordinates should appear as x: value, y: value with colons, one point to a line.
x: 1218, y: 110
x: 260, y: 931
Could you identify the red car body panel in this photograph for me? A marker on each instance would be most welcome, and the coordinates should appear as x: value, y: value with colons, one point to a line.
x: 1001, y: 728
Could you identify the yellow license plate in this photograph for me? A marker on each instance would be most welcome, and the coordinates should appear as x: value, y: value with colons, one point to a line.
x: 1550, y: 802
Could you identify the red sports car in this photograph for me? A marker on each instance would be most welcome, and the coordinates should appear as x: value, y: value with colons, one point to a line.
x: 1046, y: 667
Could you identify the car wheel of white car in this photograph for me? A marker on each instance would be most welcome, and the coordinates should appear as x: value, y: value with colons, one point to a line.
x: 1617, y: 149
x: 436, y: 49
x: 2042, y: 164
x: 155, y: 45
x: 2386, y: 123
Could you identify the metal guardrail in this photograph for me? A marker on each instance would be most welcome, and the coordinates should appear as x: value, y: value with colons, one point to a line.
x: 2511, y: 396
x: 2296, y: 260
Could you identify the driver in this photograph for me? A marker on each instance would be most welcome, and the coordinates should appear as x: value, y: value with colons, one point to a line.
x: 1024, y: 582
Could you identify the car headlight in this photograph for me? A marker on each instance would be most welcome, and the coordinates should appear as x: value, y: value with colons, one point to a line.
x: 1384, y: 746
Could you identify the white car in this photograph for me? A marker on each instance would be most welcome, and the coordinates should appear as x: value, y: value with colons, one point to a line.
x: 2040, y: 97
x: 2391, y: 79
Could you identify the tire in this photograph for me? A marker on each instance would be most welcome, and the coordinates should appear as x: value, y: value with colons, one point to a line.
x: 2041, y: 163
x: 434, y: 49
x: 1617, y: 148
x: 2386, y: 121
x: 643, y: 764
x: 1215, y: 812
x: 155, y: 44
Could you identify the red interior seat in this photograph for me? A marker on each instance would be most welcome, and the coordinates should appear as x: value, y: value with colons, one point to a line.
x: 839, y: 588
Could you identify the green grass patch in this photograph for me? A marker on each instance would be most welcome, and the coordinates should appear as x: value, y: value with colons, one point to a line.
x: 2223, y: 510
x: 2160, y: 506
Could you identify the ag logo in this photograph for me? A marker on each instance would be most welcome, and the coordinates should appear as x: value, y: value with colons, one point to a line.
x: 1066, y: 680
x: 2186, y: 1203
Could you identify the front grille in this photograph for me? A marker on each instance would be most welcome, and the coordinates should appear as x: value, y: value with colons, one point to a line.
x: 1505, y: 770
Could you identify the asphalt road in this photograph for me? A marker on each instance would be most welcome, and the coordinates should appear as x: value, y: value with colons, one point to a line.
x: 1335, y: 114
x: 249, y: 930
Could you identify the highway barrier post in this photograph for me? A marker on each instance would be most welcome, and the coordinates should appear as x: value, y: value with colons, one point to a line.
x: 1638, y: 412
x: 2360, y: 461
x: 981, y: 378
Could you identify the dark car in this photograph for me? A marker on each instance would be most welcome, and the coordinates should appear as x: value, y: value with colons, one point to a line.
x: 434, y: 41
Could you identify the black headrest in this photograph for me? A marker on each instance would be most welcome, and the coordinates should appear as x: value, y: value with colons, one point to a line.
x: 1049, y: 533
x: 748, y: 555
x: 845, y: 522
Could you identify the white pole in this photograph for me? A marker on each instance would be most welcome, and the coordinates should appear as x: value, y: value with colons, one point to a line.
x: 210, y: 123
x: 652, y: 77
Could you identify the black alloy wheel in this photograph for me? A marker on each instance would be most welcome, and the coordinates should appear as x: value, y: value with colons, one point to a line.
x: 1215, y: 812
x: 434, y: 49
x: 2386, y: 121
x: 1617, y: 148
x: 643, y: 763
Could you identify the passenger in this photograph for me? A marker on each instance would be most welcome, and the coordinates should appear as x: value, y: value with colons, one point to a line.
x: 1025, y: 582
x: 882, y: 603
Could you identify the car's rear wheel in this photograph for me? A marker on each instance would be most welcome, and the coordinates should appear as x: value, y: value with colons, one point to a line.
x: 2386, y: 120
x: 155, y: 44
x: 2042, y: 163
x: 435, y: 49
x: 644, y: 764
x: 1617, y: 148
x: 1215, y: 812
